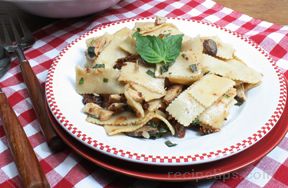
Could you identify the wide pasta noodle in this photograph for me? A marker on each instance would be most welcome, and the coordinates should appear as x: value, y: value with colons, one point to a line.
x: 135, y: 105
x: 102, y: 41
x: 193, y: 44
x: 149, y: 28
x: 224, y: 50
x: 100, y: 81
x: 185, y: 108
x: 210, y: 88
x: 112, y: 52
x: 180, y: 72
x: 215, y: 115
x: 116, y: 129
x: 124, y: 118
x: 132, y: 73
x: 146, y: 93
x: 129, y: 45
x: 233, y: 69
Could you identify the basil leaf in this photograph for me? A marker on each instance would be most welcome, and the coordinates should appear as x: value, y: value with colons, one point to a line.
x: 150, y: 48
x: 173, y: 45
x: 156, y: 50
x: 170, y: 144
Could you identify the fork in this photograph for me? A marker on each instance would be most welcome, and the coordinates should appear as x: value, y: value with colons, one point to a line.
x: 16, y: 44
x: 20, y: 147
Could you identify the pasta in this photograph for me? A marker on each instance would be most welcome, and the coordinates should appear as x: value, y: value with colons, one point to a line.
x: 180, y: 71
x: 185, y: 108
x: 94, y: 81
x: 215, y: 115
x: 153, y: 81
x: 207, y: 90
x: 224, y: 50
x: 149, y: 28
x: 233, y: 69
x: 112, y: 51
x: 132, y: 73
x: 115, y: 129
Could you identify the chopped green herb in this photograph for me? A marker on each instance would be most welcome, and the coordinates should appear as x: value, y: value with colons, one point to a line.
x: 150, y: 73
x: 194, y: 68
x: 91, y: 51
x: 226, y: 96
x: 97, y: 66
x: 162, y: 130
x: 138, y: 29
x: 152, y: 124
x: 170, y: 144
x: 81, y: 81
x: 195, y: 122
x: 156, y: 50
x: 164, y: 68
x: 105, y: 80
x: 158, y: 135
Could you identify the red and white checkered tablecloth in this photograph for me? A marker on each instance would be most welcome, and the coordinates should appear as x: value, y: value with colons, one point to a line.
x: 66, y: 169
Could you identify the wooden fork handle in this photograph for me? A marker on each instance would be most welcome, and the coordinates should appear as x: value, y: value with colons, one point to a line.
x: 26, y: 161
x: 36, y: 94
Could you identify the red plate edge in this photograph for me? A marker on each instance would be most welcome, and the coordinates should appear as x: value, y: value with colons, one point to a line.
x: 180, y: 173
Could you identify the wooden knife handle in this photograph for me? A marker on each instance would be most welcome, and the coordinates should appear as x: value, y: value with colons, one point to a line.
x: 36, y: 94
x: 26, y: 161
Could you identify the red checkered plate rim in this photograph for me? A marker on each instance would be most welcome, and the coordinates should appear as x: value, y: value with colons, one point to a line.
x: 162, y: 159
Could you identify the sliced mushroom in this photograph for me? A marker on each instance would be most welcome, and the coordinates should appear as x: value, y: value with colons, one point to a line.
x: 180, y: 130
x: 160, y: 20
x: 117, y: 107
x: 172, y: 93
x: 154, y: 105
x: 134, y: 104
x: 250, y: 86
x: 97, y: 111
x: 137, y: 96
x: 116, y: 98
x: 100, y: 43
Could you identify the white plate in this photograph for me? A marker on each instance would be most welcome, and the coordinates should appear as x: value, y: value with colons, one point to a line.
x: 245, y: 126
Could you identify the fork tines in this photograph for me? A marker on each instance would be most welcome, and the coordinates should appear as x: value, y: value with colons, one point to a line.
x: 14, y: 31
